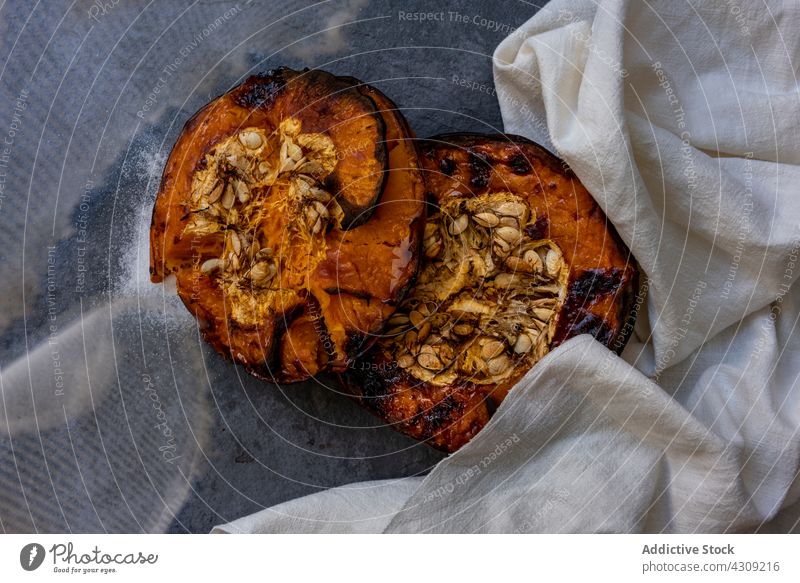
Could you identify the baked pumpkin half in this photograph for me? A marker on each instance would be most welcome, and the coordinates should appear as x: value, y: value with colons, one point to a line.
x: 517, y: 258
x: 290, y: 212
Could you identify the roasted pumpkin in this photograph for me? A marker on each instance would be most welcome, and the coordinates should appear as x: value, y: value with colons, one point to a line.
x: 517, y: 258
x: 290, y: 212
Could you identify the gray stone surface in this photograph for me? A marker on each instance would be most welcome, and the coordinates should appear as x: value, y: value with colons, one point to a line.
x: 92, y: 97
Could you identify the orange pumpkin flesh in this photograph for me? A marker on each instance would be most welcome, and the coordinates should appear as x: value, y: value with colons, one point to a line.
x: 517, y: 258
x: 289, y: 221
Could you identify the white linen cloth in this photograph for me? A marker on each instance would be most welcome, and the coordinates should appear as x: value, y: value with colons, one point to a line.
x: 683, y: 120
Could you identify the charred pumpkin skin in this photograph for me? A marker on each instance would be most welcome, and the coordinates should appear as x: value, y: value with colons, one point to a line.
x: 598, y: 298
x: 368, y: 261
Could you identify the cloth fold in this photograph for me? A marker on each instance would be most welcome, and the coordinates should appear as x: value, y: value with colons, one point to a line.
x: 682, y: 120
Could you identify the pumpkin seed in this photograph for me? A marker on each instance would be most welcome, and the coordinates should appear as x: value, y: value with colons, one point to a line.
x: 216, y: 192
x: 262, y: 271
x: 398, y: 319
x: 523, y: 344
x: 242, y: 191
x: 235, y: 242
x: 228, y: 197
x: 498, y: 366
x: 511, y: 209
x: 463, y: 329
x: 250, y: 140
x: 459, y: 225
x: 210, y: 265
x: 416, y: 318
x: 424, y: 331
x: 487, y: 220
x: 429, y: 361
x: 410, y: 339
x: 533, y: 260
x: 492, y: 348
x: 405, y: 361
x: 508, y: 234
x: 553, y: 262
